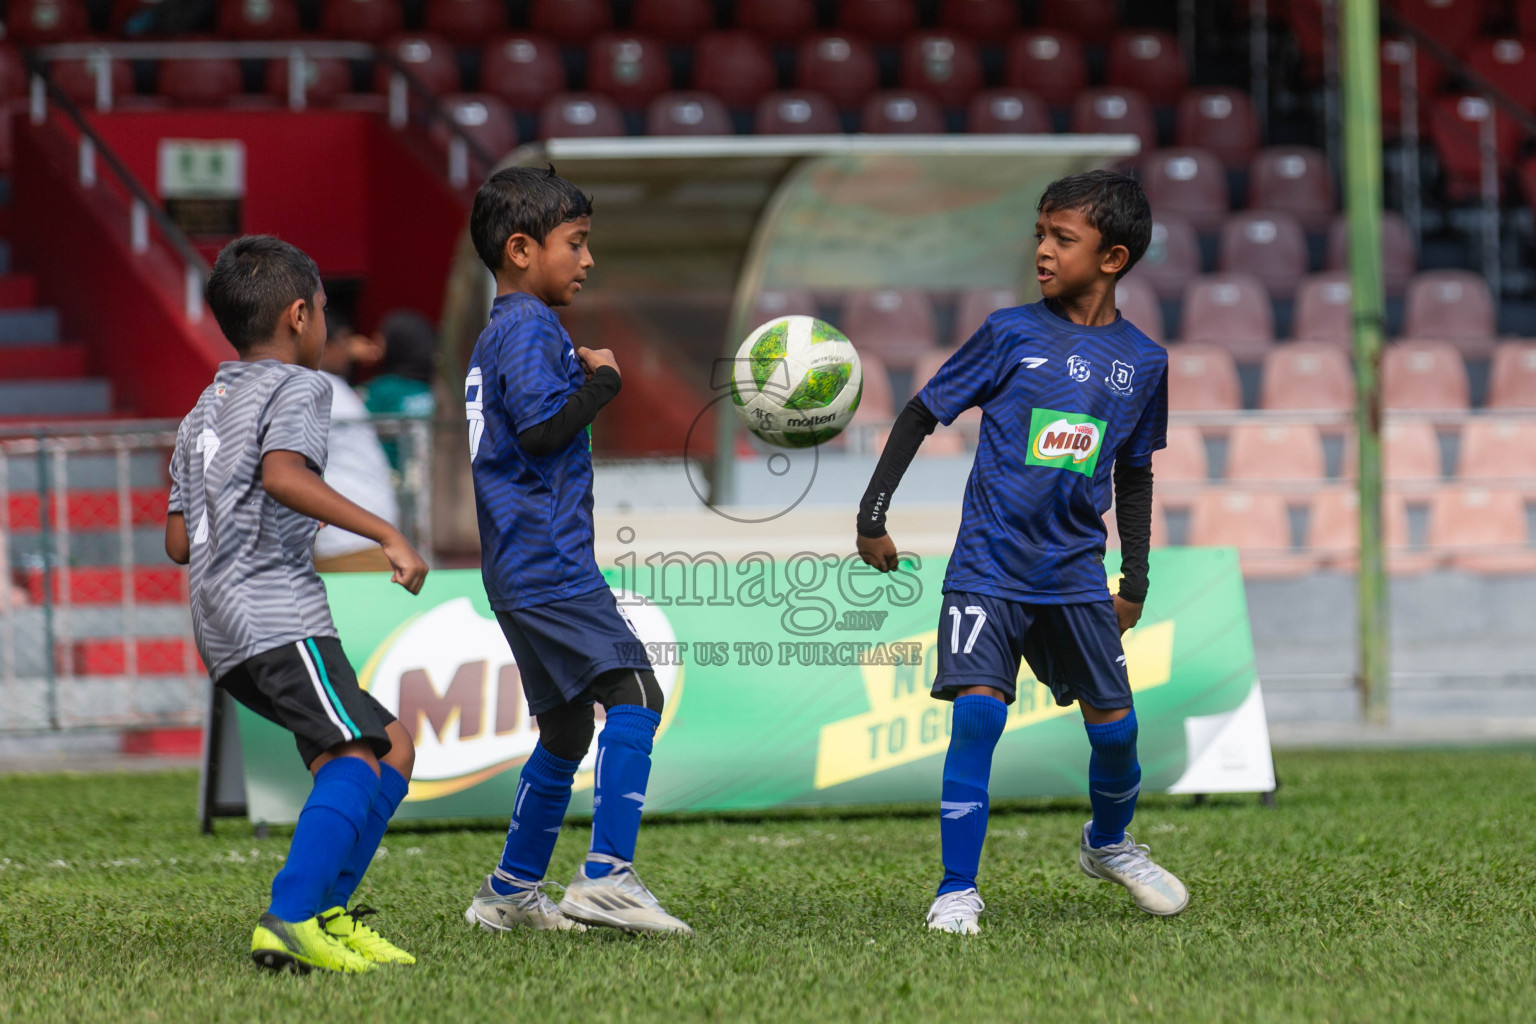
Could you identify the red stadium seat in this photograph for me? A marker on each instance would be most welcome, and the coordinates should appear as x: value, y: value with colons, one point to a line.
x: 676, y: 21
x: 466, y: 22
x: 1114, y: 111
x: 975, y: 305
x: 1187, y: 182
x: 429, y: 58
x: 77, y: 79
x: 796, y: 113
x: 1454, y: 306
x: 1333, y: 532
x: 896, y: 325
x: 201, y: 82
x: 735, y: 66
x: 1138, y: 304
x: 523, y: 70
x: 1512, y: 378
x: 983, y: 19
x: 1424, y: 375
x: 1231, y: 311
x: 883, y: 21
x: 1501, y: 451
x: 1202, y: 378
x: 1007, y: 110
x: 944, y: 65
x: 580, y: 115
x: 1451, y: 23
x: 1256, y: 523
x: 573, y: 22
x: 484, y: 118
x: 1509, y: 65
x: 1427, y: 75
x: 781, y: 21
x: 1090, y: 20
x: 40, y: 22
x: 325, y: 78
x: 367, y: 21
x: 1323, y: 310
x: 1172, y: 258
x: 902, y: 112
x: 1399, y: 259
x: 1313, y: 375
x: 1410, y: 452
x: 1275, y: 452
x: 688, y: 113
x: 1455, y: 127
x: 840, y: 67
x: 1269, y: 244
x: 876, y: 402
x: 1482, y: 530
x: 1149, y: 62
x: 632, y: 69
x: 1184, y: 460
x: 1220, y: 120
x: 1294, y: 179
x: 258, y: 19
x: 1049, y: 64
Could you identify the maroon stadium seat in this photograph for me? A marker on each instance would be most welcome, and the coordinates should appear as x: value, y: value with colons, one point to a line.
x: 1254, y: 522
x: 203, y: 82
x: 1423, y: 375
x: 580, y: 115
x: 896, y: 325
x: 799, y: 112
x: 429, y: 58
x: 13, y: 71
x: 1049, y: 64
x: 1231, y: 311
x: 77, y: 79
x: 1149, y: 62
x: 1188, y: 182
x: 484, y: 118
x: 687, y: 113
x: 1427, y: 73
x: 1007, y: 110
x: 883, y: 21
x: 1451, y: 23
x: 1115, y: 111
x: 841, y: 68
x: 1268, y: 244
x: 1509, y: 65
x: 676, y: 21
x: 1294, y: 179
x: 782, y: 21
x: 325, y: 78
x: 1399, y: 261
x: 902, y: 112
x: 1202, y: 378
x: 1455, y: 127
x: 632, y: 69
x: 258, y: 19
x: 1454, y: 306
x: 1312, y: 375
x: 983, y: 19
x: 1092, y: 21
x: 1512, y: 377
x: 735, y: 66
x: 573, y: 22
x: 1323, y: 310
x: 466, y: 22
x: 524, y: 70
x: 1138, y: 303
x: 1172, y: 258
x: 39, y: 22
x: 1222, y: 121
x: 945, y: 65
x: 975, y: 305
x: 367, y: 21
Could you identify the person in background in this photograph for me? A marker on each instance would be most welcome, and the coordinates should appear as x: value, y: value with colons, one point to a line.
x: 404, y: 384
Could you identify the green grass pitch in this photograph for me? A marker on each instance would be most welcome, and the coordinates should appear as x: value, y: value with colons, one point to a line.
x: 1384, y: 887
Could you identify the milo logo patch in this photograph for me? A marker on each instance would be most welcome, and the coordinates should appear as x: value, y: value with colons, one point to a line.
x: 1064, y: 440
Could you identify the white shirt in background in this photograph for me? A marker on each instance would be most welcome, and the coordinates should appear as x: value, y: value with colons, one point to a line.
x: 356, y: 468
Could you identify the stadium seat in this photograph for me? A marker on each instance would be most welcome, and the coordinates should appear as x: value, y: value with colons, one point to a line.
x: 1202, y: 378
x: 781, y: 21
x: 896, y: 325
x: 1423, y: 375
x: 1454, y: 306
x: 1509, y: 65
x: 1410, y: 452
x: 1172, y: 258
x: 902, y: 112
x: 1499, y: 451
x: 1188, y: 182
x: 1455, y: 128
x: 1333, y: 532
x: 840, y: 67
x: 1278, y: 452
x: 1323, y: 311
x: 573, y: 22
x: 1150, y: 62
x: 1312, y: 375
x: 1268, y: 244
x: 580, y: 115
x: 1115, y: 111
x: 40, y: 22
x: 1294, y: 179
x: 1231, y: 311
x: 1092, y: 21
x: 1138, y: 303
x: 881, y: 21
x: 325, y: 78
x: 1049, y: 64
x: 523, y: 70
x: 876, y: 402
x: 1399, y: 258
x: 77, y: 79
x: 1427, y: 72
x: 982, y: 19
x: 632, y: 69
x: 1512, y: 377
x: 735, y: 66
x: 995, y: 111
x: 367, y: 21
x: 466, y: 22
x: 200, y: 82
x: 484, y: 118
x: 688, y: 113
x: 771, y: 303
x: 944, y: 65
x: 1256, y: 523
x: 1219, y: 120
x: 1451, y: 23
x: 1481, y: 530
x: 258, y: 19
x: 796, y: 113
x: 1184, y: 460
x: 676, y: 21
x: 429, y: 58
x: 975, y: 305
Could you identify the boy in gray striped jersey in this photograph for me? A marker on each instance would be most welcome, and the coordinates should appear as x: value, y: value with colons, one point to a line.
x: 246, y: 500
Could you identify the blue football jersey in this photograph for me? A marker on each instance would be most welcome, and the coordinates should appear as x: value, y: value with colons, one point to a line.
x: 1060, y: 403
x: 535, y: 512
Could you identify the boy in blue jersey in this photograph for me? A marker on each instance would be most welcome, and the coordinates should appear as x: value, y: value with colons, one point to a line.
x: 1073, y: 396
x: 531, y: 396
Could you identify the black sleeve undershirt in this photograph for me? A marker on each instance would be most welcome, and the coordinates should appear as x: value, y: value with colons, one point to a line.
x: 580, y: 409
x: 915, y: 423
x: 1133, y: 515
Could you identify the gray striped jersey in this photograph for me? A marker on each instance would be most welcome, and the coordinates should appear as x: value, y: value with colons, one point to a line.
x: 253, y: 580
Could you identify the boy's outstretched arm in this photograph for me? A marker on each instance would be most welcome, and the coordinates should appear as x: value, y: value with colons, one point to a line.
x: 915, y: 423
x: 287, y: 477
x: 1133, y: 516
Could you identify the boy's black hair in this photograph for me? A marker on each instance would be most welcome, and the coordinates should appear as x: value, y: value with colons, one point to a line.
x: 255, y: 279
x: 529, y: 201
x: 1113, y: 204
x: 409, y: 345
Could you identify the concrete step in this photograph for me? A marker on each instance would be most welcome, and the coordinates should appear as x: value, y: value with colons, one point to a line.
x: 29, y: 326
x: 18, y: 291
x: 42, y: 362
x: 83, y: 396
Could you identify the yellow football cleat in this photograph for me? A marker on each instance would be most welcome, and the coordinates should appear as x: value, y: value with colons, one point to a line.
x: 347, y: 928
x: 303, y: 947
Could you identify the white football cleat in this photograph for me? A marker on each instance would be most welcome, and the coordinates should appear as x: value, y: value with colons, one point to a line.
x: 1154, y: 888
x: 956, y: 912
x: 527, y: 907
x: 617, y: 900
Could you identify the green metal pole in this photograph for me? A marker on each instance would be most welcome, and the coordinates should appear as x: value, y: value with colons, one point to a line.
x: 1362, y: 203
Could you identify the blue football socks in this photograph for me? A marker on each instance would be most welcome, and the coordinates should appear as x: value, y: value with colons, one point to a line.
x: 333, y: 819
x: 623, y: 769
x: 392, y: 790
x: 543, y: 793
x: 1114, y: 779
x: 975, y: 729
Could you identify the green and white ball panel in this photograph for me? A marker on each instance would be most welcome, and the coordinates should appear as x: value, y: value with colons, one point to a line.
x: 796, y: 382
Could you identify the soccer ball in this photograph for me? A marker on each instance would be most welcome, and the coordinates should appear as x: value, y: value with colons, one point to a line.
x: 796, y: 381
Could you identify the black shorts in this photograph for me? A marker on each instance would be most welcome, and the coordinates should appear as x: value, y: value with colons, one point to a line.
x: 309, y: 689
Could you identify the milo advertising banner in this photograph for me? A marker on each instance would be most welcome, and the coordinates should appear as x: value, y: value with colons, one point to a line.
x: 789, y: 682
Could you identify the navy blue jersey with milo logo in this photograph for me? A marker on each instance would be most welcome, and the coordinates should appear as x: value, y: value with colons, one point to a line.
x: 1060, y: 403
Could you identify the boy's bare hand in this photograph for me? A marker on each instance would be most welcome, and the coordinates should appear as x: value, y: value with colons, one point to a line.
x: 592, y: 358
x: 410, y: 569
x: 879, y: 552
x: 1128, y: 612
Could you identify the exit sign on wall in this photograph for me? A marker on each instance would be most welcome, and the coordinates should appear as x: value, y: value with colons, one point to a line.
x: 202, y: 182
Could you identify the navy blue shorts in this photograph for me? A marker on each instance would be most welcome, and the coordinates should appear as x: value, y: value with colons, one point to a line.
x: 562, y: 646
x: 1072, y: 648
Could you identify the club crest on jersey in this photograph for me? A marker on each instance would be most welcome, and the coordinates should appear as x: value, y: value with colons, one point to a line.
x: 220, y: 390
x: 1064, y: 440
x: 1078, y: 368
x: 1119, y: 379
